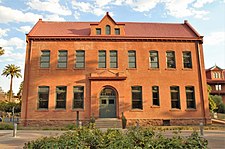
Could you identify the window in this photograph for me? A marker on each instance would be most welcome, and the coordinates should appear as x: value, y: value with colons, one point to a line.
x: 217, y: 75
x: 107, y: 30
x: 45, y: 59
x: 175, y: 97
x: 187, y: 59
x: 155, y: 95
x: 218, y: 87
x: 61, y: 97
x: 170, y: 59
x: 153, y: 59
x: 136, y: 97
x: 113, y: 59
x: 132, y: 59
x: 62, y: 59
x: 98, y: 31
x: 43, y: 97
x: 190, y: 97
x: 117, y: 31
x: 101, y: 59
x: 80, y: 59
x: 78, y: 97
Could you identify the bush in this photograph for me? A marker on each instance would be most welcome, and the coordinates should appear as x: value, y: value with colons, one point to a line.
x: 6, y: 126
x: 221, y: 108
x: 8, y: 106
x: 84, y: 138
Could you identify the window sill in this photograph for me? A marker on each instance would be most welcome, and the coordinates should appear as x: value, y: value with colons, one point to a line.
x: 136, y: 110
x: 187, y: 69
x: 80, y: 110
x: 59, y: 110
x: 174, y: 109
x: 156, y: 69
x: 101, y: 68
x: 155, y: 106
x: 61, y: 68
x: 42, y: 110
x: 191, y: 110
x: 47, y: 68
x: 171, y: 69
x: 131, y: 68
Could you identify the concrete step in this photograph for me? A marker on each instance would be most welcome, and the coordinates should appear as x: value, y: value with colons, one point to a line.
x: 108, y: 123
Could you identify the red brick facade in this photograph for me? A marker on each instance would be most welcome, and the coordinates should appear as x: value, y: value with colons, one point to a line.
x: 120, y: 79
x: 216, y: 79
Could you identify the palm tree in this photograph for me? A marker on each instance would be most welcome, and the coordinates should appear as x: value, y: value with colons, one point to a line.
x: 12, y: 71
x: 1, y: 51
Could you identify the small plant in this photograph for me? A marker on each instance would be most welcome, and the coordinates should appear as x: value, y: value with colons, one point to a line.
x: 92, y: 121
x: 124, y: 121
x: 6, y: 126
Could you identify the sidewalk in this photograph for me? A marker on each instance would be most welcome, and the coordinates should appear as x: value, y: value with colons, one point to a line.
x: 216, y: 138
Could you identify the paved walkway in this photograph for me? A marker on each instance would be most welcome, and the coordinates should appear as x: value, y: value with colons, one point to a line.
x: 215, y: 138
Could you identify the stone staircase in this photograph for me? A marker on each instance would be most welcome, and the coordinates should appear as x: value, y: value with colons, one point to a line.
x: 108, y: 123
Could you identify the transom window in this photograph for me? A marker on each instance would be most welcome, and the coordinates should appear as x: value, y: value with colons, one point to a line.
x: 153, y: 59
x: 45, y: 59
x: 187, y: 62
x: 102, y: 59
x: 190, y: 97
x: 108, y: 92
x: 107, y: 30
x: 175, y: 97
x: 117, y: 31
x: 170, y: 59
x: 80, y: 59
x: 98, y: 31
x: 43, y: 97
x: 62, y: 59
x: 136, y: 97
x: 78, y: 101
x: 113, y: 59
x: 60, y: 97
x: 132, y: 59
x: 155, y: 95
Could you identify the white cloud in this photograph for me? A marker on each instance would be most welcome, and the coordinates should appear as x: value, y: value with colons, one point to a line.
x: 143, y: 5
x: 76, y: 15
x: 215, y: 38
x: 201, y: 3
x: 13, y: 42
x: 89, y: 8
x: 8, y: 14
x: 52, y: 6
x: 3, y: 32
x: 24, y: 29
x: 53, y: 17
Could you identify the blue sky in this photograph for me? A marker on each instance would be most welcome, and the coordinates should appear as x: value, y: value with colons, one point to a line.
x: 18, y: 16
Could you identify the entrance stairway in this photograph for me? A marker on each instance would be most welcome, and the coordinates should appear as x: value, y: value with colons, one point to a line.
x: 108, y: 123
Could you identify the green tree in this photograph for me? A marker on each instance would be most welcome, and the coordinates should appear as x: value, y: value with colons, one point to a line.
x: 12, y: 71
x: 19, y: 94
x: 212, y: 104
x: 2, y: 51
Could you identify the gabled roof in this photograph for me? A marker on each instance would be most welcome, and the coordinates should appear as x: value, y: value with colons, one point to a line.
x: 132, y: 29
x: 215, y: 67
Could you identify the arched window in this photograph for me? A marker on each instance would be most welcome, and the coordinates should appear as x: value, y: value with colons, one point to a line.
x: 107, y: 30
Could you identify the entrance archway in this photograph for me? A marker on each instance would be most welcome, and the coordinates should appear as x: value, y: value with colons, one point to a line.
x: 107, y: 108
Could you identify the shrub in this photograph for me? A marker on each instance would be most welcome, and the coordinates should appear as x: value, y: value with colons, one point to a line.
x: 221, y: 108
x: 84, y: 138
x: 6, y: 126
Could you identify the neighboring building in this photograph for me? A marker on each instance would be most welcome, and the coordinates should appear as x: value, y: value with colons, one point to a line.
x: 216, y: 79
x: 153, y: 72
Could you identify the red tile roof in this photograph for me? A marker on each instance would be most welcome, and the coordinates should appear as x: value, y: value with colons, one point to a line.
x: 132, y: 29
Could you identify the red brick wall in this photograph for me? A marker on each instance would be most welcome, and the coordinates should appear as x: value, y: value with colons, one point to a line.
x: 142, y: 75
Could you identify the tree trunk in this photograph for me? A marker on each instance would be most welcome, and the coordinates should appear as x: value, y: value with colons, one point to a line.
x: 10, y: 90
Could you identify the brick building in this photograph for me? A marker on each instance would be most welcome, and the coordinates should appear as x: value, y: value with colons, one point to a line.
x: 216, y: 79
x: 153, y: 72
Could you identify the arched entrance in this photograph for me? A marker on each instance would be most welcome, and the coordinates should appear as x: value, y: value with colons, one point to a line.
x: 107, y: 108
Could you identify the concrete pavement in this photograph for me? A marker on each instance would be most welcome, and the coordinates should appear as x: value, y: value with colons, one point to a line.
x: 216, y: 138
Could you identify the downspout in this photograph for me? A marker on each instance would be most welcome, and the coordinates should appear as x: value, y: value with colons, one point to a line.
x: 28, y: 80
x: 201, y: 86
